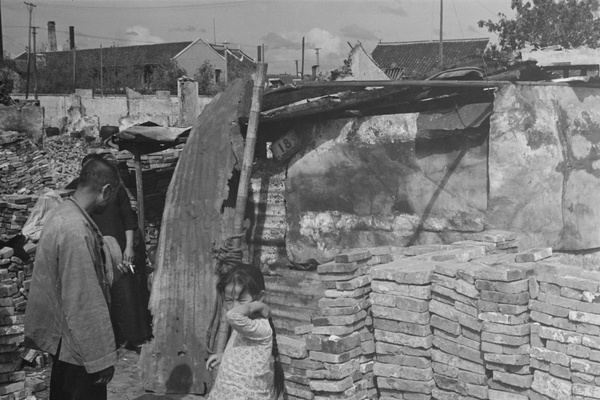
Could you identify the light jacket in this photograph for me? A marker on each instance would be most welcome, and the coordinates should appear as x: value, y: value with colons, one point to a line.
x: 68, y: 294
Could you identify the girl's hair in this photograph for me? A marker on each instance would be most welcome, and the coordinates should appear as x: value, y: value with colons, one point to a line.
x: 250, y: 278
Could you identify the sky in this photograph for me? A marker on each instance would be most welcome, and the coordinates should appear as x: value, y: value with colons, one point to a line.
x: 279, y: 25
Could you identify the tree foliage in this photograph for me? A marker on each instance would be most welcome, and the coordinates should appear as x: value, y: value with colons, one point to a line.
x: 205, y: 76
x: 541, y: 23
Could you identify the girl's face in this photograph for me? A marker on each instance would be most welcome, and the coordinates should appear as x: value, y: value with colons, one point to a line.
x: 234, y: 296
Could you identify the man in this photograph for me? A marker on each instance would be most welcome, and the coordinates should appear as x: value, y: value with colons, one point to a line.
x: 67, y: 311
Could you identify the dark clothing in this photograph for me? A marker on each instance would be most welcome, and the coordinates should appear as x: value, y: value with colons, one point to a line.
x: 129, y: 312
x: 72, y: 382
x: 117, y: 218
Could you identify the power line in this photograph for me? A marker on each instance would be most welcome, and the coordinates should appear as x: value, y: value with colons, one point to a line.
x: 220, y: 4
x: 457, y: 20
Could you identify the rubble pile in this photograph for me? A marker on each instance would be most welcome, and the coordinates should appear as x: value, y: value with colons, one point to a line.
x: 14, y: 211
x: 14, y: 285
x: 565, y: 343
x: 24, y: 168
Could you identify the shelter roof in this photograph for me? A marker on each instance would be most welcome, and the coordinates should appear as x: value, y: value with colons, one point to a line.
x: 147, y: 54
x: 421, y: 57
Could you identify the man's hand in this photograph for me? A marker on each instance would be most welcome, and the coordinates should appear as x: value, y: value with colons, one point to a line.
x: 128, y: 255
x: 104, y: 376
x: 214, y: 361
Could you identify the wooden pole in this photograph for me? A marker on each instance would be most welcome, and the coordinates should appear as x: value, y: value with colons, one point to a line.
x: 140, y: 191
x: 441, y: 33
x: 246, y: 172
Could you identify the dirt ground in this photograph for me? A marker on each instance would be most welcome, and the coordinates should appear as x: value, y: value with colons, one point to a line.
x: 126, y: 383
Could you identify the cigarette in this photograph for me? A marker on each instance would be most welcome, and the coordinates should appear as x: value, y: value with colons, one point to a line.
x: 131, y: 268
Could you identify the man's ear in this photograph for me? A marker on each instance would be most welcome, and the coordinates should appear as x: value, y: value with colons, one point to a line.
x: 107, y: 190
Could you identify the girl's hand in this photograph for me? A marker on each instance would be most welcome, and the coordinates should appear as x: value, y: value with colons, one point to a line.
x: 265, y: 310
x: 213, y: 361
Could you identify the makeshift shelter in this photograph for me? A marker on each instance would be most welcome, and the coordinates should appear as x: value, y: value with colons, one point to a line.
x: 366, y: 163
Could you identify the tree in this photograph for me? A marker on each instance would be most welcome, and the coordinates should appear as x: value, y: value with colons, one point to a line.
x: 541, y: 23
x: 205, y: 76
x: 164, y: 75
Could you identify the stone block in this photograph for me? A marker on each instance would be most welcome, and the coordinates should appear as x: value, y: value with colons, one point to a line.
x: 455, y: 361
x: 352, y: 256
x: 505, y: 298
x: 415, y: 291
x: 400, y: 315
x: 404, y: 372
x: 333, y: 386
x: 533, y: 255
x: 405, y: 385
x: 552, y: 387
x: 401, y: 327
x: 550, y: 356
x: 522, y: 381
x: 405, y: 340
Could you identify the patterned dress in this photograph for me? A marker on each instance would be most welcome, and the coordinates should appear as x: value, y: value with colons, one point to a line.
x: 246, y: 370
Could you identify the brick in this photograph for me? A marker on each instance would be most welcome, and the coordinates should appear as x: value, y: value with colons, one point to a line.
x: 348, y: 310
x: 444, y: 369
x: 303, y: 329
x: 405, y: 271
x: 541, y: 317
x: 546, y: 287
x: 514, y: 330
x: 417, y: 305
x: 331, y: 385
x: 339, y: 319
x: 337, y: 268
x: 338, y: 302
x: 405, y: 340
x: 589, y: 341
x: 533, y: 255
x: 560, y: 371
x: 460, y: 339
x: 504, y: 318
x: 338, y: 330
x: 355, y: 294
x: 401, y: 327
x: 586, y: 390
x: 439, y: 308
x: 388, y: 348
x: 499, y: 395
x: 472, y: 378
x: 445, y: 325
x: 335, y: 358
x: 400, y: 315
x: 571, y: 293
x: 487, y: 306
x: 539, y: 364
x: 458, y: 350
x: 507, y: 359
x: 556, y: 346
x: 560, y: 335
x: 550, y: 356
x: 550, y: 309
x: 579, y: 283
x: 353, y: 284
x: 579, y: 351
x: 505, y: 298
x: 563, y: 323
x: 499, y: 338
x: 522, y: 381
x: 588, y: 318
x: 492, y: 348
x: 466, y: 309
x: 580, y: 377
x: 405, y: 385
x: 468, y: 321
x: 451, y: 294
x: 504, y: 287
x: 451, y: 384
x: 399, y: 371
x: 534, y: 287
x: 404, y: 360
x: 552, y: 387
x: 503, y: 274
x: 415, y: 291
x: 455, y: 361
x: 333, y: 344
x: 585, y: 366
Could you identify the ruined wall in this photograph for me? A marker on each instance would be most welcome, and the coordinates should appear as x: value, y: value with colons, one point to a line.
x: 386, y: 180
x: 544, y: 165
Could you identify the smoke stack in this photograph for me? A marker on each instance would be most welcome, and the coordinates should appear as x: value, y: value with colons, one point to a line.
x: 71, y: 37
x: 51, y: 36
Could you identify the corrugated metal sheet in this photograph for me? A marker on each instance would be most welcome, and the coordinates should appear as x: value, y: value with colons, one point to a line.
x: 266, y: 209
x: 194, y: 220
x: 419, y: 58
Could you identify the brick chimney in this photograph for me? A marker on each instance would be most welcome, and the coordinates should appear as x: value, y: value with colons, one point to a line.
x: 51, y: 36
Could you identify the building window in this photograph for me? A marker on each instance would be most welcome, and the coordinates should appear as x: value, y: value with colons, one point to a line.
x: 217, y: 75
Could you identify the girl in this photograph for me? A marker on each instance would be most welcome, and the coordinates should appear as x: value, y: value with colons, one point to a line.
x: 249, y: 367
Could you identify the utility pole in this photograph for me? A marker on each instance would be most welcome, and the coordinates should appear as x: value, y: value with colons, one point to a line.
x: 72, y: 45
x: 296, y: 67
x: 35, y: 81
x: 214, y: 33
x: 302, y: 68
x: 101, y: 74
x: 1, y: 40
x: 317, y: 50
x: 226, y: 63
x: 30, y: 8
x: 441, y: 33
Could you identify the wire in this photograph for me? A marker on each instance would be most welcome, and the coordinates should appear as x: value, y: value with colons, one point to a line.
x: 219, y: 4
x: 495, y: 14
x: 457, y: 20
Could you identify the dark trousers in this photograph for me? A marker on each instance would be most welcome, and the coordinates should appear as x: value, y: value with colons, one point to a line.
x: 72, y: 382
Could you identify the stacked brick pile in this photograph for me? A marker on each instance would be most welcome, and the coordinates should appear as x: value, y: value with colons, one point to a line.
x: 14, y: 211
x: 14, y: 282
x: 565, y: 343
x: 504, y: 312
x: 401, y: 321
x: 341, y: 345
x: 24, y: 168
x: 458, y: 362
x: 296, y: 366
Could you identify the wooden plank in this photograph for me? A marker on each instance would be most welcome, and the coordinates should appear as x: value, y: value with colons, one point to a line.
x: 196, y: 217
